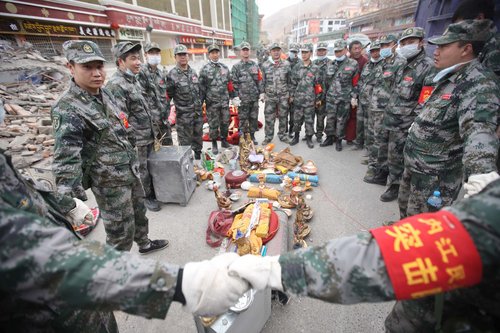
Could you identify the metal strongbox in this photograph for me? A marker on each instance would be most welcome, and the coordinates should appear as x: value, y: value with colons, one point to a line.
x: 173, y: 175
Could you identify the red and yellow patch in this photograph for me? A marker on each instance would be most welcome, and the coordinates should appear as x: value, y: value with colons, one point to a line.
x: 124, y: 119
x: 428, y: 254
x: 425, y: 93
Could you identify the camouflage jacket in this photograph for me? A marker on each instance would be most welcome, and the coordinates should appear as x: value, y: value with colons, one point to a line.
x: 323, y: 68
x: 214, y: 80
x: 262, y: 55
x: 128, y: 95
x: 90, y: 134
x: 383, y: 87
x: 457, y: 124
x: 247, y: 80
x: 339, y: 80
x: 276, y: 79
x: 304, y: 82
x: 490, y: 55
x: 53, y: 282
x: 293, y: 62
x: 366, y: 82
x: 351, y: 269
x: 154, y: 90
x: 184, y: 88
x: 408, y: 84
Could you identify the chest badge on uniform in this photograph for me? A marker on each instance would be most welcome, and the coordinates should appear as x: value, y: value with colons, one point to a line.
x: 56, y: 122
x: 124, y: 119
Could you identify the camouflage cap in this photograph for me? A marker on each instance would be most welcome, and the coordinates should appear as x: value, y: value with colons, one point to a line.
x: 179, y: 49
x: 322, y: 46
x: 386, y: 39
x: 124, y: 47
x: 245, y: 45
x: 415, y: 32
x: 82, y: 51
x: 307, y: 47
x: 375, y: 45
x: 467, y: 30
x: 151, y: 46
x: 294, y: 47
x: 275, y: 46
x: 339, y: 45
x: 213, y: 47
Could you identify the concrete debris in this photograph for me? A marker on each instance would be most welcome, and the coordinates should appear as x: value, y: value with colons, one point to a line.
x: 29, y: 85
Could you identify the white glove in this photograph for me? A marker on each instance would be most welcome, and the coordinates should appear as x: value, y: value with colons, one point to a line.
x: 354, y: 102
x: 477, y: 182
x: 236, y: 101
x: 260, y: 272
x: 81, y: 214
x: 262, y: 97
x: 208, y: 288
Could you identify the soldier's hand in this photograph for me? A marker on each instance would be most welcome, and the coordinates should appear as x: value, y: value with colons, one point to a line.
x: 476, y: 183
x: 318, y: 104
x: 208, y: 287
x: 354, y: 102
x: 81, y: 214
x: 260, y: 272
x: 290, y: 100
x: 236, y: 101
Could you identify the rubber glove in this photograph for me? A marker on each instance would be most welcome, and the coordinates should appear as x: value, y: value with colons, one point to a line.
x: 81, y: 214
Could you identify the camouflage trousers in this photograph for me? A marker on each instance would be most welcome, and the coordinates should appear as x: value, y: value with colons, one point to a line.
x: 320, y: 119
x: 379, y: 141
x: 273, y: 108
x: 290, y: 117
x: 337, y: 115
x: 218, y: 119
x: 361, y: 120
x: 163, y: 132
x: 123, y: 214
x: 369, y: 131
x: 146, y: 180
x: 303, y: 114
x: 248, y: 113
x: 416, y: 188
x: 395, y: 156
x: 190, y: 129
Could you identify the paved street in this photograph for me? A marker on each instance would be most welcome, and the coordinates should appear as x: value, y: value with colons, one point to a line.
x: 343, y: 205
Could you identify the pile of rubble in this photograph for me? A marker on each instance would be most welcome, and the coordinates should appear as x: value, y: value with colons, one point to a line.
x: 29, y: 85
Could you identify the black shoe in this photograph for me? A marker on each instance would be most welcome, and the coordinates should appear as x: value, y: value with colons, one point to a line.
x: 215, y: 149
x: 295, y: 139
x: 328, y: 142
x: 319, y: 139
x: 154, y: 245
x: 284, y: 139
x: 152, y: 205
x: 380, y: 178
x: 368, y: 178
x: 252, y: 135
x: 309, y: 140
x: 197, y: 155
x: 290, y: 134
x: 223, y: 143
x: 391, y: 194
x: 338, y: 145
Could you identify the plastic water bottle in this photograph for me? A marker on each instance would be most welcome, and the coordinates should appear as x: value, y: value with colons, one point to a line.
x: 434, y: 203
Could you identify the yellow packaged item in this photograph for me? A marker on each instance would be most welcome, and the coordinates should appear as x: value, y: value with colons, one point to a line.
x: 265, y: 215
x: 255, y: 243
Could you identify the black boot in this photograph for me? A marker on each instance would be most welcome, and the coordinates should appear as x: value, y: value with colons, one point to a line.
x: 215, y: 149
x: 380, y: 178
x: 338, y: 145
x: 328, y: 141
x: 319, y: 139
x: 252, y: 135
x: 309, y: 140
x: 295, y: 139
x: 391, y: 194
x: 223, y: 143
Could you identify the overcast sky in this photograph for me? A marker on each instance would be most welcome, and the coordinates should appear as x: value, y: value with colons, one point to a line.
x: 268, y: 7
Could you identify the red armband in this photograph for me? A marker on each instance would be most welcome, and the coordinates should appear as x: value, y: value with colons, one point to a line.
x: 428, y: 254
x: 259, y: 75
x: 230, y: 86
x: 425, y: 93
x: 318, y: 89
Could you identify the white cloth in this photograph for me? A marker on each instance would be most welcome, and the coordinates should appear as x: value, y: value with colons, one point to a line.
x: 477, y: 182
x: 262, y: 97
x: 354, y: 102
x: 208, y: 288
x: 81, y: 214
x: 260, y: 272
x: 236, y: 101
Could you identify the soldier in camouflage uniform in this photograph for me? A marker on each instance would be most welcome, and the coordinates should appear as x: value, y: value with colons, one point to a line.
x: 247, y: 80
x: 306, y: 94
x: 454, y: 135
x: 216, y: 90
x: 54, y: 282
x: 276, y: 80
x: 364, y: 124
x: 402, y: 108
x: 92, y: 150
x: 128, y: 92
x: 183, y: 87
x: 322, y: 62
x: 292, y: 59
x: 352, y: 270
x: 263, y: 54
x: 383, y: 88
x: 340, y: 93
x: 152, y: 79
